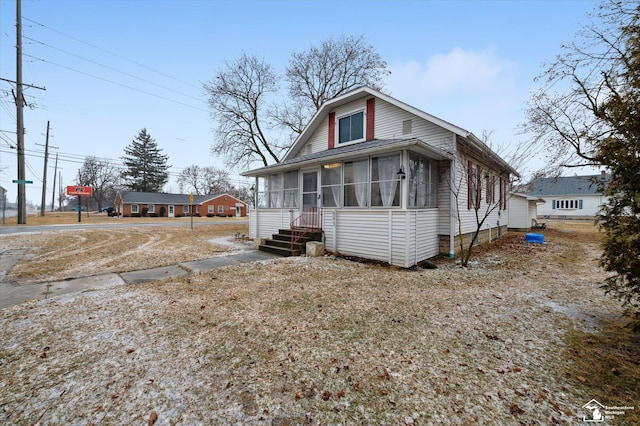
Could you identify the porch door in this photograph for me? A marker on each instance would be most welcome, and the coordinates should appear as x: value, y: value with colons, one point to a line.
x: 310, y: 189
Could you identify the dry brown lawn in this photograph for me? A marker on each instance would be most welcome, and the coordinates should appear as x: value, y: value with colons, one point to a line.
x: 328, y: 341
x: 64, y: 254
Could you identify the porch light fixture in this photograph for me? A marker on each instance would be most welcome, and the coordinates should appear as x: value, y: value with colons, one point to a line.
x: 401, y: 174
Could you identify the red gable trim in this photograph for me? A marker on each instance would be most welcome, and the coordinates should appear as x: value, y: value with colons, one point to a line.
x: 371, y: 103
x: 332, y: 130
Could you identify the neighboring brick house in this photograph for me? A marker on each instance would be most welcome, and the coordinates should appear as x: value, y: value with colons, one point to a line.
x: 156, y: 204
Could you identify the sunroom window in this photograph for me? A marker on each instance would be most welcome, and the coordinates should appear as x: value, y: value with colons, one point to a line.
x: 351, y: 127
x: 291, y: 189
x: 385, y: 183
x: 423, y: 181
x: 281, y: 191
x: 331, y: 185
x: 276, y: 186
x: 356, y: 183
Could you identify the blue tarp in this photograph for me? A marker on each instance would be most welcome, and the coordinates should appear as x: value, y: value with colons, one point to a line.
x: 534, y: 238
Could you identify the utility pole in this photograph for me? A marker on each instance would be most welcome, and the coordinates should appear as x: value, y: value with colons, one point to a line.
x: 53, y: 194
x: 61, y: 192
x: 44, y: 174
x: 22, y: 194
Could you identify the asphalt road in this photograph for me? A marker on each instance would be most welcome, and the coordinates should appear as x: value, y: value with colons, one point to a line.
x: 121, y: 223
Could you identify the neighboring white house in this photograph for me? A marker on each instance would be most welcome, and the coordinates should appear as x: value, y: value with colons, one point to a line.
x: 523, y: 209
x: 378, y: 176
x: 569, y: 196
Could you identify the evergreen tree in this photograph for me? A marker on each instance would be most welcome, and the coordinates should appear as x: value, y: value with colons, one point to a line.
x: 620, y: 152
x: 146, y: 166
x: 595, y: 119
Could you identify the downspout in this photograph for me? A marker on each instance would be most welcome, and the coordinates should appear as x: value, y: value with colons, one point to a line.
x: 452, y: 200
x: 255, y: 207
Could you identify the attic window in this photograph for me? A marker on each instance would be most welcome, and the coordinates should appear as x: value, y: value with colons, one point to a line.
x: 406, y: 127
x: 351, y: 128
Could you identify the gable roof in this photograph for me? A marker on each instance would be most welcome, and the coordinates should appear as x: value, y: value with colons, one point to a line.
x: 366, y: 92
x: 567, y: 185
x: 360, y: 93
x: 133, y: 197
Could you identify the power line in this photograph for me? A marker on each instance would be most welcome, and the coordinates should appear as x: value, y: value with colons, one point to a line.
x: 111, y: 53
x: 116, y: 83
x: 112, y: 68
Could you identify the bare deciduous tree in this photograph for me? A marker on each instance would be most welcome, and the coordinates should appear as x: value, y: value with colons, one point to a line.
x: 337, y: 66
x: 238, y: 96
x: 247, y: 117
x: 101, y: 175
x: 325, y: 72
x: 204, y: 180
x: 592, y: 116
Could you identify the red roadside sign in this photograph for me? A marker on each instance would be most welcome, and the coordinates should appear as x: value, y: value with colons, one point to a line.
x: 78, y: 190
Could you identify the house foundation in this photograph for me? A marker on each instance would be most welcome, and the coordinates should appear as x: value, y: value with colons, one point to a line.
x: 485, y: 236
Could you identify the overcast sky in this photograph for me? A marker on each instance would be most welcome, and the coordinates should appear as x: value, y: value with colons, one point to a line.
x: 113, y: 67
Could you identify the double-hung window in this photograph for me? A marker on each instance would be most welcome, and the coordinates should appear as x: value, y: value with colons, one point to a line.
x: 220, y: 209
x: 210, y: 209
x: 351, y: 127
x: 134, y: 208
x: 151, y: 208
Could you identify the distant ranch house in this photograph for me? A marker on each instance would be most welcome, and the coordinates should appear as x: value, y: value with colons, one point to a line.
x: 154, y: 204
x: 569, y: 197
x: 375, y: 176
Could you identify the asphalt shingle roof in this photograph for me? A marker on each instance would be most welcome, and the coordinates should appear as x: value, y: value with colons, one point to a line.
x: 162, y: 198
x: 567, y: 185
x: 348, y: 149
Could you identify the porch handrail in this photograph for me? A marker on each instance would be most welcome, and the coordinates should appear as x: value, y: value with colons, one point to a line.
x: 310, y: 220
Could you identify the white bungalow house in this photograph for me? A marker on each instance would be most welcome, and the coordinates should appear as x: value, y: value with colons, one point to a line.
x: 570, y: 197
x: 382, y: 180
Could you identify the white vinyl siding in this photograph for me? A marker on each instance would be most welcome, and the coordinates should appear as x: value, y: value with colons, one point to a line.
x: 591, y: 205
x: 270, y: 221
x: 468, y: 216
x: 521, y: 211
x: 401, y: 238
x: 319, y: 141
x: 389, y: 125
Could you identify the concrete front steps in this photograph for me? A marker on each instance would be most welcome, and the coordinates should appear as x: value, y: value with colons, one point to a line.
x: 280, y: 244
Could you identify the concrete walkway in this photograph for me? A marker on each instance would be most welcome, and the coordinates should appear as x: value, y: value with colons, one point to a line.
x: 13, y: 294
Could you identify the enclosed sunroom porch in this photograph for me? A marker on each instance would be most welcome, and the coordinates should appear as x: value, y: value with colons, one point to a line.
x: 380, y: 200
